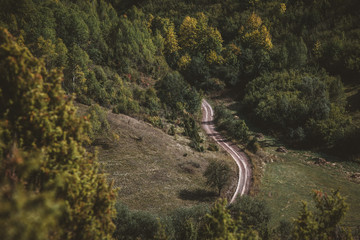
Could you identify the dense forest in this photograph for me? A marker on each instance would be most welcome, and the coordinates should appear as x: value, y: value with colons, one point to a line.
x: 288, y: 63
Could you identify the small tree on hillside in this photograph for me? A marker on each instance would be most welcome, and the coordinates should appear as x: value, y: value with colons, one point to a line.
x: 217, y: 175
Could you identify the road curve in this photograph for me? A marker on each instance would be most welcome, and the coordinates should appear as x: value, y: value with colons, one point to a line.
x: 239, y: 156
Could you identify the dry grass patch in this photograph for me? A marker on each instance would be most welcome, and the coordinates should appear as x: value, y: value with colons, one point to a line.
x: 154, y: 171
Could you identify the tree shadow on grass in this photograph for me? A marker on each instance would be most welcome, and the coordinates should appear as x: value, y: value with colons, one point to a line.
x: 198, y: 194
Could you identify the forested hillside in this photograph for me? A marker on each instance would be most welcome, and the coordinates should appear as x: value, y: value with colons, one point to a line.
x: 301, y: 53
x: 294, y: 66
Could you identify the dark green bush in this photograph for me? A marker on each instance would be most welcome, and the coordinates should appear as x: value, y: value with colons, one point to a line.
x: 303, y: 106
x: 172, y: 90
x: 235, y: 128
x: 127, y: 106
x: 98, y: 120
x: 132, y: 225
x: 253, y: 212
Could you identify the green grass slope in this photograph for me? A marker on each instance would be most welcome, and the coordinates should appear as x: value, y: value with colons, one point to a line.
x: 293, y: 175
x: 283, y: 180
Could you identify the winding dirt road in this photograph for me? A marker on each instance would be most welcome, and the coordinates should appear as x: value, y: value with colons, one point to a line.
x: 239, y: 156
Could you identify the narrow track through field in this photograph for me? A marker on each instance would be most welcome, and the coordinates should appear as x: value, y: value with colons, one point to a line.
x: 236, y: 153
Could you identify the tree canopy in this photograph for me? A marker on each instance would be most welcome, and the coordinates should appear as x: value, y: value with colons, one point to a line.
x: 38, y: 118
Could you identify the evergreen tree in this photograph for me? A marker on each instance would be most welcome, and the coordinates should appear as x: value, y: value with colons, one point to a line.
x: 37, y: 115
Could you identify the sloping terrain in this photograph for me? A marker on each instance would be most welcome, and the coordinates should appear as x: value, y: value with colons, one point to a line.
x: 286, y: 178
x: 293, y: 175
x: 153, y: 170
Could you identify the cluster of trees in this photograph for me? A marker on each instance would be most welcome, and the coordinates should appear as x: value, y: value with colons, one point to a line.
x: 118, y: 60
x: 279, y: 56
x: 234, y: 127
x: 106, y: 58
x: 245, y: 44
x: 307, y: 107
x: 113, y: 53
x: 51, y: 187
x: 247, y: 218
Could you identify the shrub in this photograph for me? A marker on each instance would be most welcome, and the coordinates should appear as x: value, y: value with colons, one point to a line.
x: 253, y: 212
x: 98, y: 121
x: 155, y: 121
x: 213, y: 147
x: 191, y: 130
x: 127, y: 106
x: 253, y: 145
x: 236, y: 128
x: 171, y: 130
x: 186, y: 221
x: 132, y: 225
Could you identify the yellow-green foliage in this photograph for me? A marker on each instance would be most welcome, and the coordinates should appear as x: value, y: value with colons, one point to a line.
x: 25, y: 214
x: 196, y: 36
x: 189, y: 33
x: 184, y: 61
x: 98, y: 120
x: 219, y: 225
x: 36, y: 115
x: 322, y: 224
x: 255, y: 33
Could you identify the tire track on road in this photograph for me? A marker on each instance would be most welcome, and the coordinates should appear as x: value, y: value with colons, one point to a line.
x: 242, y: 161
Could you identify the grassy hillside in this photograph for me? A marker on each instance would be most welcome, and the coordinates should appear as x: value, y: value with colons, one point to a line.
x: 293, y: 175
x: 283, y: 180
x: 153, y: 170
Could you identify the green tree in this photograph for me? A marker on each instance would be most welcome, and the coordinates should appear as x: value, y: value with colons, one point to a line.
x: 323, y: 223
x: 217, y: 175
x: 236, y: 128
x: 191, y: 129
x: 132, y: 225
x: 172, y: 90
x: 186, y: 221
x: 39, y: 116
x: 188, y: 33
x: 98, y: 121
x: 24, y: 213
x: 219, y: 225
x: 167, y: 30
x: 253, y: 212
x: 197, y: 37
x: 255, y: 34
x: 304, y: 106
